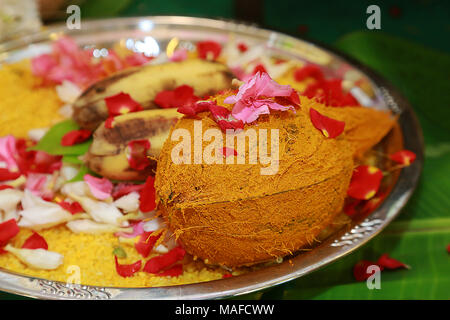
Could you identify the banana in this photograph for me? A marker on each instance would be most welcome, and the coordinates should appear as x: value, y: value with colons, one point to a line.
x: 145, y: 82
x: 107, y: 154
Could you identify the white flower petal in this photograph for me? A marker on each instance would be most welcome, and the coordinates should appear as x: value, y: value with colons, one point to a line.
x: 161, y: 249
x: 38, y: 213
x: 66, y: 111
x: 37, y: 258
x: 37, y: 134
x: 13, y: 214
x: 69, y: 171
x: 9, y: 199
x: 79, y: 188
x: 68, y: 91
x: 129, y: 202
x: 89, y: 226
x: 154, y: 224
x: 100, y: 211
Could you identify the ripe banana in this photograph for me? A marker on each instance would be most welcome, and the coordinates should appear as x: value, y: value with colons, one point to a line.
x: 145, y: 82
x: 107, y: 155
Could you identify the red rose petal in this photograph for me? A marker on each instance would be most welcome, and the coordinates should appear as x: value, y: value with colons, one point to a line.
x: 229, y: 152
x: 35, y: 241
x: 195, y: 108
x: 360, y: 270
x: 121, y: 103
x: 330, y: 93
x: 75, y: 137
x: 242, y: 47
x: 146, y: 243
x: 173, y: 271
x: 8, y: 230
x: 308, y: 71
x: 389, y: 263
x: 224, y: 118
x: 165, y: 99
x: 365, y: 182
x: 404, y: 157
x: 127, y: 270
x: 159, y: 263
x: 209, y: 50
x: 109, y: 122
x: 6, y: 175
x: 72, y: 207
x: 330, y: 128
x: 350, y: 207
x: 35, y: 161
x: 137, y: 154
x: 181, y: 97
x: 5, y: 186
x: 259, y: 68
x: 147, y: 196
x: 374, y: 203
x: 184, y: 95
x: 123, y: 189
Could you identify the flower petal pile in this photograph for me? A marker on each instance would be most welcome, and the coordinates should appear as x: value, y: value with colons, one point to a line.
x: 68, y: 62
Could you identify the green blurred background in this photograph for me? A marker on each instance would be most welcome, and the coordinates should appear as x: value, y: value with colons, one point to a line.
x: 412, y: 51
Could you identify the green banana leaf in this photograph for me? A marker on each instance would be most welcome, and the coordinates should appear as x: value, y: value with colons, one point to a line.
x: 51, y: 142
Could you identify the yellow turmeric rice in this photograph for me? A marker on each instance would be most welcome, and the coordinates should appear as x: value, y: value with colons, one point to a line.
x: 88, y: 259
x: 24, y: 105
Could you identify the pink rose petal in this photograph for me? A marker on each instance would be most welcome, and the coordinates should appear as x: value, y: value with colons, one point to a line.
x: 179, y: 55
x: 252, y: 99
x: 8, y: 152
x: 100, y: 188
x: 138, y: 229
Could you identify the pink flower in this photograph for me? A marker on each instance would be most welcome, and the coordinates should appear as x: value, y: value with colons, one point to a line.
x: 253, y: 98
x: 100, y: 188
x: 179, y: 55
x: 138, y: 229
x: 8, y: 152
x: 38, y: 184
x: 43, y: 64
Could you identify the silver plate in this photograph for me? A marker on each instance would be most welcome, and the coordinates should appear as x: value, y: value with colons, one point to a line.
x: 103, y: 33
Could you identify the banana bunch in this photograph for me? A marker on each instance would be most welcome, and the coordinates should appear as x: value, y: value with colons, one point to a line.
x: 145, y: 82
x: 107, y: 155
